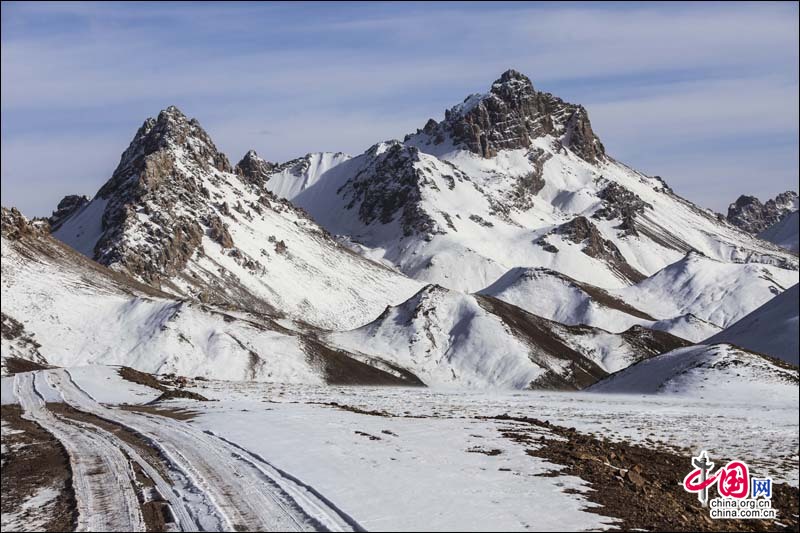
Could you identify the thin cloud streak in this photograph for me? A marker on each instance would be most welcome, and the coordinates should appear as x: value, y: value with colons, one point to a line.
x: 658, y: 81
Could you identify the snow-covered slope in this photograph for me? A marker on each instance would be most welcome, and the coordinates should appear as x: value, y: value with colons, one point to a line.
x: 448, y: 338
x: 515, y: 178
x: 175, y: 215
x: 558, y: 297
x: 772, y: 329
x: 73, y: 311
x: 785, y: 233
x: 293, y: 177
x: 17, y: 343
x: 718, y: 372
x: 712, y: 290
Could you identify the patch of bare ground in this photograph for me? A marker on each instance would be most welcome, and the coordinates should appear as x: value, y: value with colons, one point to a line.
x: 17, y: 365
x: 141, y: 378
x: 169, y: 412
x: 640, y: 486
x: 368, y: 412
x: 155, y: 510
x: 167, y: 392
x: 35, y: 460
x: 484, y: 451
x: 367, y: 435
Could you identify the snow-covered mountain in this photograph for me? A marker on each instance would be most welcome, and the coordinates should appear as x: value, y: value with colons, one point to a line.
x: 785, y: 233
x: 513, y: 178
x: 712, y: 290
x: 772, y: 329
x: 177, y: 216
x: 61, y: 308
x: 558, y: 297
x: 448, y: 338
x: 499, y: 247
x: 717, y: 372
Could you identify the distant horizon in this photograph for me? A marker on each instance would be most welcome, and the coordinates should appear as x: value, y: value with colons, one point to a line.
x: 713, y: 109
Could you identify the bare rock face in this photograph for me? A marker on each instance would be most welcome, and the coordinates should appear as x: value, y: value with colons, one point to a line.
x: 160, y: 170
x: 623, y: 204
x: 253, y: 169
x: 749, y: 214
x: 529, y: 185
x: 580, y: 230
x: 66, y: 208
x: 218, y: 231
x: 390, y: 187
x: 510, y: 115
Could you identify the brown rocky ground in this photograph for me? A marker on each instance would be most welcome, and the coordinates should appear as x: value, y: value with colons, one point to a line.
x: 641, y: 486
x: 36, y: 460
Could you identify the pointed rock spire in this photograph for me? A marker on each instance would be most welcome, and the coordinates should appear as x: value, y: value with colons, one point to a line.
x: 253, y: 169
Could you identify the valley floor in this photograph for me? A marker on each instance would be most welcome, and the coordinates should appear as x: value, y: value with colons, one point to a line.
x: 273, y: 457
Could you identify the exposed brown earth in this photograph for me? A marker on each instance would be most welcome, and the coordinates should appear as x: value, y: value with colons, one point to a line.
x: 638, y: 485
x: 148, y: 380
x: 141, y: 378
x: 17, y: 365
x: 36, y: 460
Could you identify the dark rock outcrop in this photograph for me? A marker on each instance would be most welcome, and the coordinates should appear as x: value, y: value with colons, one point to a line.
x: 510, y: 115
x: 623, y: 204
x: 391, y: 187
x: 218, y: 231
x: 580, y: 230
x: 68, y: 205
x: 749, y: 214
x: 253, y: 169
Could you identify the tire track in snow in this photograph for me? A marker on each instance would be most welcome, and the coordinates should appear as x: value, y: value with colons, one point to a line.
x: 247, y: 490
x: 101, y: 474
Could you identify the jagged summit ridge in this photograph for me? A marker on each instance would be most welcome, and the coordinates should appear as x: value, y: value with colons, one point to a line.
x: 510, y: 116
x: 749, y: 214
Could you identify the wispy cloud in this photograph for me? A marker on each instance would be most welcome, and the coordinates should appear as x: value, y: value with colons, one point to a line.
x: 663, y: 79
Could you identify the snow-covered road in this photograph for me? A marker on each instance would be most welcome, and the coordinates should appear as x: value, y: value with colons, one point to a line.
x: 214, y: 485
x: 101, y: 474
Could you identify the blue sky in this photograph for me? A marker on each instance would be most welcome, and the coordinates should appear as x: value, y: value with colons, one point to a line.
x: 705, y: 95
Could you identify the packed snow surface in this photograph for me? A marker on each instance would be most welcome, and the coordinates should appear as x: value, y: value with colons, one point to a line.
x: 785, y: 233
x: 359, y: 453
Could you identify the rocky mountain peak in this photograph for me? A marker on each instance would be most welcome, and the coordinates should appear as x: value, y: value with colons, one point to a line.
x: 510, y: 116
x: 169, y: 136
x: 160, y: 193
x: 513, y: 87
x: 253, y: 169
x: 513, y: 76
x: 753, y: 216
x: 66, y: 207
